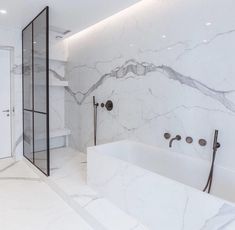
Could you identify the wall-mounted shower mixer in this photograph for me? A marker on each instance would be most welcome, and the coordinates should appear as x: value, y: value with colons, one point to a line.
x: 201, y: 142
x: 188, y: 139
x: 176, y: 138
x: 108, y: 105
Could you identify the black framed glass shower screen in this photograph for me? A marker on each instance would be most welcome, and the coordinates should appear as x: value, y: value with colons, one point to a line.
x: 35, y: 55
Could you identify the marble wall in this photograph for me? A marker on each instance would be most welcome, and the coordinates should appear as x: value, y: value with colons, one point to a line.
x: 57, y: 63
x: 168, y: 66
x: 11, y: 39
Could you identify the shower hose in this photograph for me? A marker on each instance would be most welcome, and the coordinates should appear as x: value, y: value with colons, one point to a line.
x: 216, y: 145
x: 95, y: 106
x: 210, y: 177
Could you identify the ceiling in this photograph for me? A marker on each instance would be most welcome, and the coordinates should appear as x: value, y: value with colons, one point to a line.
x: 74, y: 15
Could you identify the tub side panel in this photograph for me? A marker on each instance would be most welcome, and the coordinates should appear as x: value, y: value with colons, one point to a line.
x: 151, y: 198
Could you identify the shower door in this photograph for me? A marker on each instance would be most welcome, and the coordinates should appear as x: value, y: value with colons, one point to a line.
x: 36, y: 92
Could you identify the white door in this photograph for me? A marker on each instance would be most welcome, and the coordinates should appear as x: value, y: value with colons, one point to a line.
x: 5, y: 120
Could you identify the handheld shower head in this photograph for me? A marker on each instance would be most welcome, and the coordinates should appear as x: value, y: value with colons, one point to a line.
x: 216, y: 144
x: 94, y: 102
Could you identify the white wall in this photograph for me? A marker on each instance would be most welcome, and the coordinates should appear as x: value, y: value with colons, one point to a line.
x: 168, y: 66
x: 12, y: 38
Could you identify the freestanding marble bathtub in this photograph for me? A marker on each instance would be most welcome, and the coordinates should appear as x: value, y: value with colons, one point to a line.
x: 162, y: 188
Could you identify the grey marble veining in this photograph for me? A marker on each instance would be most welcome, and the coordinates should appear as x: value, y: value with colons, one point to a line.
x: 56, y: 74
x: 82, y: 196
x: 95, y: 65
x: 140, y: 69
x: 6, y: 172
x: 184, y: 44
x: 8, y: 166
x: 166, y: 113
x: 205, y: 42
x: 175, y: 74
x: 91, y: 198
x: 18, y: 141
x: 218, y: 95
x: 17, y: 70
x: 224, y: 218
x: 185, y: 212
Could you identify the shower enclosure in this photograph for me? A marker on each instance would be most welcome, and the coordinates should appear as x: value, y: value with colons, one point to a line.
x: 35, y: 72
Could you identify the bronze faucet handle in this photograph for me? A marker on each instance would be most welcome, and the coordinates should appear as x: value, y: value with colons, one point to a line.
x: 178, y: 137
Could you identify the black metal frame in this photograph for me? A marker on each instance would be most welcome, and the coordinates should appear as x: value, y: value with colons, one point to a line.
x: 47, y: 90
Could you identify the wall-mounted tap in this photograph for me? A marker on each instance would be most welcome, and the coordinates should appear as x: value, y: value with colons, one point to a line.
x: 108, y: 105
x: 202, y: 142
x: 177, y: 138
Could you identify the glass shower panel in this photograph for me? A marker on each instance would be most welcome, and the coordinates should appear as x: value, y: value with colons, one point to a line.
x: 28, y: 135
x: 27, y: 67
x: 36, y: 92
x: 40, y: 62
x: 41, y: 127
x: 28, y: 93
x: 40, y: 141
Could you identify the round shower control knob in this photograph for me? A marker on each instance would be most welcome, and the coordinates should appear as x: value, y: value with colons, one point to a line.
x: 108, y: 105
x: 167, y: 136
x: 202, y: 142
x: 189, y: 140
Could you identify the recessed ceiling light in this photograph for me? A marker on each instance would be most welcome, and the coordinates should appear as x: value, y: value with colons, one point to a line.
x: 163, y: 36
x: 208, y: 24
x: 3, y: 12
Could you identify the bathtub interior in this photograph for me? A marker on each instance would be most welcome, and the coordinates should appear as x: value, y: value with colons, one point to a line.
x: 179, y: 167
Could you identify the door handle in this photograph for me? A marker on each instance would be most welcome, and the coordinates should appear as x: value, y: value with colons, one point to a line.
x: 6, y: 111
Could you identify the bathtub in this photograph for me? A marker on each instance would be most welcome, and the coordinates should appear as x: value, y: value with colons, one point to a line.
x: 162, y: 188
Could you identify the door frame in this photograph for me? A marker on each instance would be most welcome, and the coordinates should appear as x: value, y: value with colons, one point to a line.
x: 11, y: 50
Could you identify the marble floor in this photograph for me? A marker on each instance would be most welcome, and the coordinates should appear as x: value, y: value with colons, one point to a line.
x: 31, y: 201
x: 68, y: 174
x: 27, y: 202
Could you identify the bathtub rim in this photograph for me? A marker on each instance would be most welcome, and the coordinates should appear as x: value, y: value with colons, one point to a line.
x: 97, y: 149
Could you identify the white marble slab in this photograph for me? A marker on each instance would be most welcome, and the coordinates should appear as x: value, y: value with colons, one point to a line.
x: 69, y: 170
x: 26, y: 202
x: 157, y: 201
x: 168, y: 66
